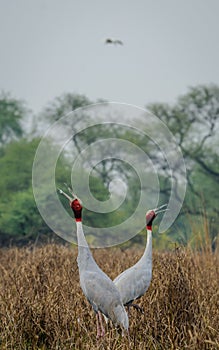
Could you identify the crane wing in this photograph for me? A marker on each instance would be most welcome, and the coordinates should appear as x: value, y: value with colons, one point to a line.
x: 100, y: 292
x: 133, y: 283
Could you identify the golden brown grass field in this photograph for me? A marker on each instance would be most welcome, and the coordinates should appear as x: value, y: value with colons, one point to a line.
x: 42, y: 305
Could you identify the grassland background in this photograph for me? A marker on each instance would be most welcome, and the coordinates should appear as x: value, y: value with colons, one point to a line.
x: 42, y: 305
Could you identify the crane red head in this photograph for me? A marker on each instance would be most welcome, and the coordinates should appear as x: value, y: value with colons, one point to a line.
x: 77, y: 209
x: 75, y: 204
x: 151, y: 215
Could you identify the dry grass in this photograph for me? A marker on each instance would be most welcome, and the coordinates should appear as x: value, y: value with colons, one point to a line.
x: 42, y: 305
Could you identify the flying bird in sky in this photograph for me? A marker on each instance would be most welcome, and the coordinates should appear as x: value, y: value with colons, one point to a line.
x: 114, y: 42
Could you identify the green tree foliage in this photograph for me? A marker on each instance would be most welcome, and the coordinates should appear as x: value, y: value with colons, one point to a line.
x: 16, y: 164
x: 19, y: 215
x: 18, y: 212
x: 12, y: 112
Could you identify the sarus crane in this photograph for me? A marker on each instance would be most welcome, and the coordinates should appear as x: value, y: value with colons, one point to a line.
x: 98, y: 288
x: 134, y: 282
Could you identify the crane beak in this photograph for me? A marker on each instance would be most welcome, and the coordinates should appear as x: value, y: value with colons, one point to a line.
x: 71, y: 191
x: 65, y: 195
x: 160, y: 209
x: 74, y: 196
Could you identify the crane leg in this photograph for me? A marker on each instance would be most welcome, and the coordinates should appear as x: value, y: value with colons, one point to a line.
x: 137, y: 307
x: 101, y: 324
x: 129, y: 343
x: 100, y: 327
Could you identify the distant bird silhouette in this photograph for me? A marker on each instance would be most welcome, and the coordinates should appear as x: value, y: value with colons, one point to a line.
x: 114, y: 42
x: 98, y: 288
x: 134, y: 282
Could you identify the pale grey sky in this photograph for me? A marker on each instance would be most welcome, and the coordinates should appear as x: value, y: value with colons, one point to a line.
x: 53, y: 46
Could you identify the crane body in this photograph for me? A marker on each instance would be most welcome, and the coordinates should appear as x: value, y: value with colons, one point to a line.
x: 98, y: 288
x: 134, y: 282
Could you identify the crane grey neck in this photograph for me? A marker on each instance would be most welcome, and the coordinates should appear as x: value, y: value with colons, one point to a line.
x: 80, y: 235
x: 147, y: 256
x: 85, y: 259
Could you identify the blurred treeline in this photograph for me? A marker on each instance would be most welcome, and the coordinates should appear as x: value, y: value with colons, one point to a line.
x: 193, y: 120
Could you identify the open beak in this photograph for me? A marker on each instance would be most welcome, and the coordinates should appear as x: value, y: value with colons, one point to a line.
x: 160, y: 209
x: 67, y: 196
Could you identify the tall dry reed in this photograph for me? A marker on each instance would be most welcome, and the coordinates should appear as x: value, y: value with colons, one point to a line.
x: 42, y: 305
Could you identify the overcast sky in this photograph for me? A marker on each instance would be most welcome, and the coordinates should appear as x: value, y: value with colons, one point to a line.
x: 48, y: 47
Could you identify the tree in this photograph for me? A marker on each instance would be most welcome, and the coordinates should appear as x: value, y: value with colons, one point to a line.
x: 194, y: 121
x: 63, y: 105
x: 19, y: 215
x: 16, y: 165
x: 12, y: 112
x: 18, y: 211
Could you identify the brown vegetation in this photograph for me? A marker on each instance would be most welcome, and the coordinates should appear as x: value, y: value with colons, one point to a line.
x: 42, y: 305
